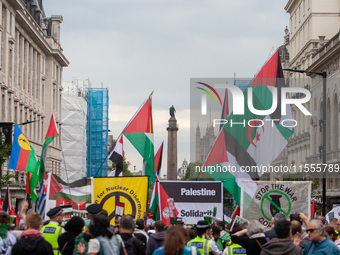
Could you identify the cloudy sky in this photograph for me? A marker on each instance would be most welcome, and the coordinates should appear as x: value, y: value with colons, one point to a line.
x: 134, y: 47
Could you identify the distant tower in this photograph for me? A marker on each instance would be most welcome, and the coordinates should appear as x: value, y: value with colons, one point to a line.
x: 172, y: 146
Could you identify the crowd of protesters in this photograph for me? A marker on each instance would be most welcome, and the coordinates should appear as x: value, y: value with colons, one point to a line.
x: 294, y: 235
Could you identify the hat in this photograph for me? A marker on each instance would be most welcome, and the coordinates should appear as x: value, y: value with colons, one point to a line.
x: 94, y: 209
x: 179, y: 221
x: 54, y: 212
x: 202, y: 224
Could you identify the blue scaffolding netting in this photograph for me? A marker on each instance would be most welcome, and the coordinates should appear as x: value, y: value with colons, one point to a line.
x: 97, y: 131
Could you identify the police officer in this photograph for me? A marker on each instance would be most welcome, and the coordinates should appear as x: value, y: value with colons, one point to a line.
x: 93, y: 209
x: 53, y: 230
x: 203, y: 240
x: 234, y: 248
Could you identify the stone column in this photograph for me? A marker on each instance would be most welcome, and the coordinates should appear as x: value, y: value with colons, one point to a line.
x: 172, y: 149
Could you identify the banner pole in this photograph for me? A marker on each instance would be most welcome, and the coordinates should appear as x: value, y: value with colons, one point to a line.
x: 47, y: 193
x: 309, y: 198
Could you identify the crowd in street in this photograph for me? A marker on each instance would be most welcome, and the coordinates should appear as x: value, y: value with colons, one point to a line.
x: 128, y: 236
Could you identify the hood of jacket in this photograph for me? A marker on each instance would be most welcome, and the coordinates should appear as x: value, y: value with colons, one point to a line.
x: 30, y: 239
x: 158, y: 236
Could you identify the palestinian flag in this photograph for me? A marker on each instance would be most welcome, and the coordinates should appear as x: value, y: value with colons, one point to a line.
x: 73, y: 197
x: 52, y: 132
x: 139, y: 131
x: 256, y: 140
x: 154, y: 203
x: 116, y: 156
x: 164, y: 205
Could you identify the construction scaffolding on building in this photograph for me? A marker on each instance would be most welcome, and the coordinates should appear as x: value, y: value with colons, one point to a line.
x: 97, y: 131
x: 74, y: 125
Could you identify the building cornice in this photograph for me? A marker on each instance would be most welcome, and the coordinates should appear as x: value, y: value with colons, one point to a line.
x: 290, y: 5
x: 325, y: 54
x: 25, y: 20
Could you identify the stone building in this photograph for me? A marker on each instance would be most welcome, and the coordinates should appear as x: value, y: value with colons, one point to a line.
x: 182, y: 170
x: 203, y: 144
x: 312, y: 23
x: 327, y: 59
x: 312, y: 43
x: 31, y: 66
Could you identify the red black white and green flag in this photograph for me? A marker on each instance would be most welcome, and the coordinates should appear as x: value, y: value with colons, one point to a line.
x: 256, y: 143
x: 139, y: 131
x: 116, y: 156
x: 37, y: 175
x: 52, y: 132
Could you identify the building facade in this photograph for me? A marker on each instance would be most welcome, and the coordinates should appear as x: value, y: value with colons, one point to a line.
x: 312, y: 23
x: 203, y: 144
x: 31, y: 66
x: 312, y: 43
x: 327, y: 59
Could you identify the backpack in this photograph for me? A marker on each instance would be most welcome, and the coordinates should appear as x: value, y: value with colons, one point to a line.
x: 109, y: 246
x: 130, y: 246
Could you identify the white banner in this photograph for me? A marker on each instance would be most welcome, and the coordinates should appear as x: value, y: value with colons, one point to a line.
x: 195, y: 199
x: 335, y: 213
x: 271, y: 197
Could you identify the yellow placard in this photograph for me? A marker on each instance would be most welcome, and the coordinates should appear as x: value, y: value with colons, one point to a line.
x: 131, y: 192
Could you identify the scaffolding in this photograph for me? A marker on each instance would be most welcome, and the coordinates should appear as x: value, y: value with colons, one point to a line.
x: 97, y: 131
x: 73, y: 135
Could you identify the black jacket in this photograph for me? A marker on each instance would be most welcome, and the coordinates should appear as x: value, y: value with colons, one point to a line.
x: 132, y: 245
x: 32, y: 246
x: 253, y: 246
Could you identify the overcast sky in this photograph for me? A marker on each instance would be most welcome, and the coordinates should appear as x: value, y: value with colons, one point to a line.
x: 135, y: 47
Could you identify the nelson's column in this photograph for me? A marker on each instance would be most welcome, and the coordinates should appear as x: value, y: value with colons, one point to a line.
x: 172, y: 146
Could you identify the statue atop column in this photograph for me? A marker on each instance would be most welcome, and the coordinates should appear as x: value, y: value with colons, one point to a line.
x: 172, y: 111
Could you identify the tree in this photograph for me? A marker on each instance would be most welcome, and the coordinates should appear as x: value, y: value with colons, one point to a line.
x: 5, y: 152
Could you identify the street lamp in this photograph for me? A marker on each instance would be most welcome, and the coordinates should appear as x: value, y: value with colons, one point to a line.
x: 323, y: 126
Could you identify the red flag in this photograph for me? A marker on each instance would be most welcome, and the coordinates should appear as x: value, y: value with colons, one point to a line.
x: 313, y: 210
x: 28, y: 186
x: 236, y: 212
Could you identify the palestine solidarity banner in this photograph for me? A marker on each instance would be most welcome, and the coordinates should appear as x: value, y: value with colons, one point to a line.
x: 193, y: 199
x: 121, y: 195
x: 73, y: 198
x: 271, y: 197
